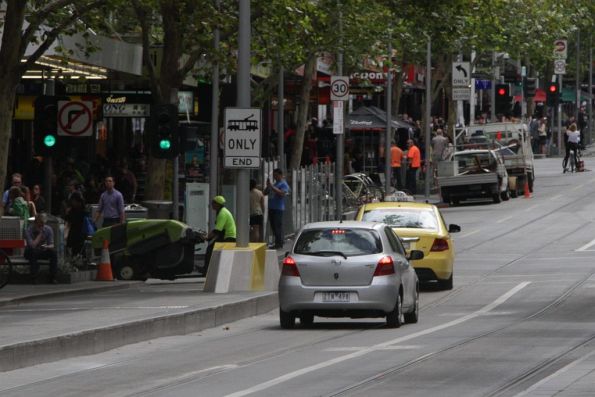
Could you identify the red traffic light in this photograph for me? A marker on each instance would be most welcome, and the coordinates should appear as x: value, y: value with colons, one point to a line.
x: 502, y: 92
x: 553, y: 88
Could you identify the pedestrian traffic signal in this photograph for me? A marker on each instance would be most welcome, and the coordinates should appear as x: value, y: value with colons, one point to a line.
x: 503, y: 99
x: 530, y: 85
x: 552, y: 94
x: 45, y: 125
x: 165, y: 138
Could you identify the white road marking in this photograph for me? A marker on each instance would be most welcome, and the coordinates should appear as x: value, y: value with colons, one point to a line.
x: 586, y: 246
x: 532, y: 207
x: 578, y: 187
x: 557, y: 196
x: 555, y: 374
x: 337, y: 360
x: 95, y: 308
x: 78, y: 368
x: 355, y: 348
x: 470, y: 233
x: 504, y: 219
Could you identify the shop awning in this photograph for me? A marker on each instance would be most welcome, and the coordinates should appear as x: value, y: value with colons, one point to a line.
x: 371, y: 118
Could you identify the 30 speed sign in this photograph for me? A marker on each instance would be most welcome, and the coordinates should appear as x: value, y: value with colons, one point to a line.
x: 339, y: 88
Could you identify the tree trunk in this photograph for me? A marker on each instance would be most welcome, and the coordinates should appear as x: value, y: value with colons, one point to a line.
x: 7, y: 97
x: 298, y: 145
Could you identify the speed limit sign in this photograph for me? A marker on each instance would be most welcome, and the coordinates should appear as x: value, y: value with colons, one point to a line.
x: 339, y: 88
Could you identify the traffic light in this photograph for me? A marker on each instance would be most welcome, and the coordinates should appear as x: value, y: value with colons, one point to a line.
x: 45, y: 125
x: 165, y: 138
x: 552, y: 94
x: 503, y: 98
x: 530, y: 87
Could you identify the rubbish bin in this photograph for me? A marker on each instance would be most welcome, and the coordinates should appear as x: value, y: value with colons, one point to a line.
x: 135, y: 211
x: 158, y: 209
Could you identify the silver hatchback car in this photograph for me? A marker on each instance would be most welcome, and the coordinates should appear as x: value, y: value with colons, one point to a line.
x: 348, y: 269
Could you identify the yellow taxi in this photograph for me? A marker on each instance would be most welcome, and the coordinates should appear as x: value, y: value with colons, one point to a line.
x: 420, y: 227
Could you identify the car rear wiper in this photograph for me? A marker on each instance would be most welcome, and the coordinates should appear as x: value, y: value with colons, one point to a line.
x: 324, y: 253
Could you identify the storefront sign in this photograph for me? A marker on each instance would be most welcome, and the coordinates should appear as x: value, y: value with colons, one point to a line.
x: 126, y: 110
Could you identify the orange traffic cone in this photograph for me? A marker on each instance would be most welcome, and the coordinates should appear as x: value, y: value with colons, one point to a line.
x: 104, y: 270
x: 526, y: 191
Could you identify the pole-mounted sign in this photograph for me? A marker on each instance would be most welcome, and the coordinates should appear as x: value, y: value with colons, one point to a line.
x: 339, y: 88
x: 242, y: 137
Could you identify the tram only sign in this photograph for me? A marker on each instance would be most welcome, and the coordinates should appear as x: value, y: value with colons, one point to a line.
x: 242, y: 137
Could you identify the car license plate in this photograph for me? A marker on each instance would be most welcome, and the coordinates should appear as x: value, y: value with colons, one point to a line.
x: 335, y: 296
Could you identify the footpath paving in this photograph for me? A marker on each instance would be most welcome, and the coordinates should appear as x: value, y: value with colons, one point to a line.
x: 44, y: 322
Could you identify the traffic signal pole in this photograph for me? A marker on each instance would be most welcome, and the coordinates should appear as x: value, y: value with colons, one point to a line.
x: 48, y: 167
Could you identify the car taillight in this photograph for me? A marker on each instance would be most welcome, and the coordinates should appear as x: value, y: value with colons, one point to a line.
x: 384, y: 267
x: 290, y: 267
x: 440, y: 244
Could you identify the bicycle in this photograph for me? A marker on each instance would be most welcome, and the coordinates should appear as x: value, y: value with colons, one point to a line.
x: 574, y: 157
x: 5, y: 268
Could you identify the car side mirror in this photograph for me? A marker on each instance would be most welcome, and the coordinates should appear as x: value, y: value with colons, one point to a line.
x: 454, y: 228
x: 415, y: 255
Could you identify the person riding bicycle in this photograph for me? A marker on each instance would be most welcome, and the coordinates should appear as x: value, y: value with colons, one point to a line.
x: 574, y: 138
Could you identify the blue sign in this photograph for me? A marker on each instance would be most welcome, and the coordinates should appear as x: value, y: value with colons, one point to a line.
x: 483, y: 84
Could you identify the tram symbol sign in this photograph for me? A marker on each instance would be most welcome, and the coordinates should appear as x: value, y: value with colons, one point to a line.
x: 339, y: 88
x: 75, y: 118
x: 242, y: 137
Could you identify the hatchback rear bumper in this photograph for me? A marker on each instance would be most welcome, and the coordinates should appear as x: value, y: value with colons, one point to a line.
x: 380, y: 296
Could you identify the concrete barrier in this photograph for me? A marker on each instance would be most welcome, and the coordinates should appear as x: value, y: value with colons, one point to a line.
x: 233, y: 269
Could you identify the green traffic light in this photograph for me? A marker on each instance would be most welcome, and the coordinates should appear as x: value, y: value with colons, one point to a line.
x: 49, y: 140
x: 164, y: 144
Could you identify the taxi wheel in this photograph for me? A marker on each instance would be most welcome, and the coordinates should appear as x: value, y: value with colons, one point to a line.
x: 446, y: 284
x: 394, y: 319
x: 287, y: 319
x: 413, y: 316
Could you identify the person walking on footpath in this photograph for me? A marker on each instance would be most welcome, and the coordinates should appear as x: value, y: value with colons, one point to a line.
x: 111, y: 205
x: 224, y: 230
x: 16, y: 180
x: 256, y: 212
x: 396, y: 158
x: 276, y: 193
x: 414, y: 163
x: 40, y: 245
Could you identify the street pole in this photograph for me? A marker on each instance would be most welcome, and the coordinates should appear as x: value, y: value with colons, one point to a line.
x: 589, y: 135
x: 340, y: 137
x: 578, y: 80
x: 281, y: 121
x: 472, y: 97
x: 493, y: 90
x: 48, y: 163
x: 428, y: 115
x: 559, y: 109
x: 243, y: 175
x: 389, y: 121
x: 214, y: 148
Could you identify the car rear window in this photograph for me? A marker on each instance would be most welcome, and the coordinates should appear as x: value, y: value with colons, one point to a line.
x: 403, y: 217
x: 349, y: 242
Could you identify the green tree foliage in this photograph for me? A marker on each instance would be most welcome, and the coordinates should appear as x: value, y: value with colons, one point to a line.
x: 35, y: 25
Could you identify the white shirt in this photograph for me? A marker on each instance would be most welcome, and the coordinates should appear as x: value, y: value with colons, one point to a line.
x: 573, y: 136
